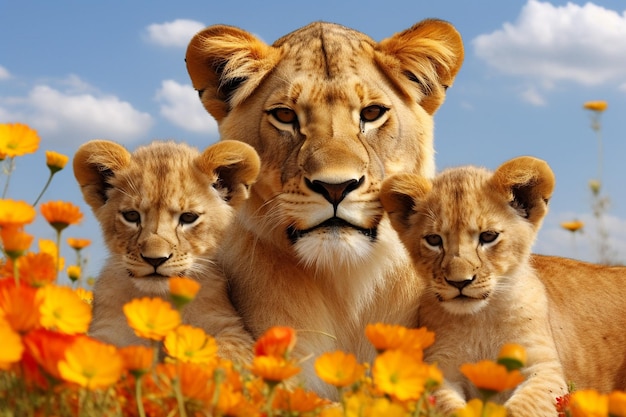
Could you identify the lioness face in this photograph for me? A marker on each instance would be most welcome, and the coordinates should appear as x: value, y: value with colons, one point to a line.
x: 335, y: 115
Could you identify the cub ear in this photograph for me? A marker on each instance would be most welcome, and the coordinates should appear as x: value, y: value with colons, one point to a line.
x: 527, y: 184
x: 430, y: 54
x: 225, y: 65
x: 400, y: 194
x: 236, y: 166
x: 94, y: 163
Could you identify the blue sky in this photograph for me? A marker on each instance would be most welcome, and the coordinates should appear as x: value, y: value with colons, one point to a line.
x: 80, y: 70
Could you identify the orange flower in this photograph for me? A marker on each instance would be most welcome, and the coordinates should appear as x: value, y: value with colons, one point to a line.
x: 573, y: 226
x: 392, y: 336
x: 276, y: 341
x: 491, y: 377
x: 589, y: 403
x: 297, y: 401
x: 512, y: 356
x: 338, y: 368
x: 37, y: 269
x: 61, y: 214
x: 183, y: 290
x: 63, y: 310
x: 17, y: 139
x: 273, y: 369
x: 598, y: 105
x: 91, y: 364
x: 196, y: 381
x: 398, y: 374
x: 15, y: 241
x: 617, y: 404
x: 50, y: 247
x: 78, y: 244
x: 47, y: 348
x: 12, y: 346
x: 151, y: 318
x: 19, y: 305
x: 137, y: 359
x: 16, y: 213
x: 85, y: 295
x: 55, y: 161
x: 476, y: 408
x: 190, y: 344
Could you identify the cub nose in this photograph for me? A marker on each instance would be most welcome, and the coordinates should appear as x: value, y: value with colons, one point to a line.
x: 461, y: 283
x: 334, y: 193
x: 155, y: 262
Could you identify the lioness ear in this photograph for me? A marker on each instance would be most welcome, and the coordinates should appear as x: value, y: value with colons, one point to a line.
x: 430, y: 54
x: 236, y: 166
x: 527, y: 183
x: 94, y: 163
x: 225, y: 65
x: 399, y: 194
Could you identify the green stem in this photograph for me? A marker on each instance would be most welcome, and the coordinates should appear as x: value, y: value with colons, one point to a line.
x: 58, y: 263
x: 138, y: 397
x: 9, y: 172
x: 45, y: 187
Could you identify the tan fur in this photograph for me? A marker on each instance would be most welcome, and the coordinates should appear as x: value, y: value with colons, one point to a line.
x: 163, y: 210
x: 510, y: 296
x: 312, y: 248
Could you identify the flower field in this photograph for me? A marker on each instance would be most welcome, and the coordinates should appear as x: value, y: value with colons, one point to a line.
x: 50, y: 366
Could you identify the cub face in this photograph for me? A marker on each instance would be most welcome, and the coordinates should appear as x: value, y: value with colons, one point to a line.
x: 469, y: 229
x: 163, y: 208
x: 331, y: 112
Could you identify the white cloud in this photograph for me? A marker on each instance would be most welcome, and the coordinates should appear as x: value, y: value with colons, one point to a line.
x: 181, y: 106
x: 533, y: 97
x: 74, y: 116
x: 176, y: 33
x: 583, y: 44
x: 4, y: 73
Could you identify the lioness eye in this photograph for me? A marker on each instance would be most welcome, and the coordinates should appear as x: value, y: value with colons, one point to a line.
x: 433, y: 240
x: 488, y: 237
x: 188, y: 218
x: 371, y: 113
x: 284, y: 115
x: 132, y: 216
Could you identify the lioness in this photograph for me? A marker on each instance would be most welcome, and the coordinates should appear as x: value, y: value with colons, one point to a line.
x: 331, y: 113
x: 469, y: 233
x: 163, y: 210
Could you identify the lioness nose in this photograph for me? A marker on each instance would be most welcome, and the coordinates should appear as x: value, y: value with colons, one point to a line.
x: 460, y: 284
x: 155, y: 262
x: 334, y: 193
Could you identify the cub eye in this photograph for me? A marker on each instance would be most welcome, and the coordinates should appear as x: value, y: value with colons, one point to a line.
x: 433, y: 240
x: 188, y: 218
x: 373, y: 112
x: 284, y: 115
x: 132, y: 216
x: 488, y: 237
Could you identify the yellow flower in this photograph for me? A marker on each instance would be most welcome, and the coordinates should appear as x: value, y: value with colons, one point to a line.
x: 73, y: 272
x: 91, y: 364
x: 151, y: 318
x: 17, y: 139
x: 85, y: 295
x: 61, y: 214
x: 190, y: 344
x: 474, y: 408
x: 137, y: 359
x: 589, y: 403
x: 183, y: 290
x: 50, y: 247
x: 617, y: 404
x: 573, y: 226
x: 338, y: 368
x: 490, y: 376
x: 393, y: 336
x: 400, y: 375
x: 63, y: 310
x: 78, y: 244
x: 12, y: 346
x: 16, y: 213
x: 598, y: 105
x: 15, y: 241
x: 512, y: 356
x: 55, y: 161
x: 273, y: 368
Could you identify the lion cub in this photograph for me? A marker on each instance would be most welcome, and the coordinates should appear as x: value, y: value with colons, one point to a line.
x: 163, y: 210
x: 469, y: 232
